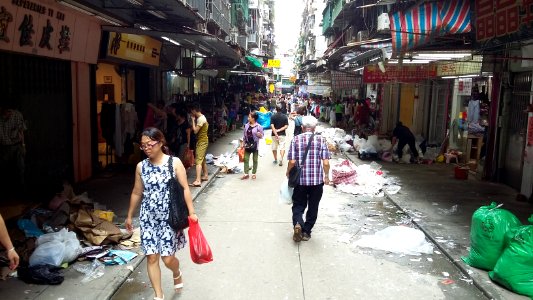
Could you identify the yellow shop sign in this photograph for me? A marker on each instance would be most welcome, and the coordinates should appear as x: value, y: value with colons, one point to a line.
x: 138, y: 48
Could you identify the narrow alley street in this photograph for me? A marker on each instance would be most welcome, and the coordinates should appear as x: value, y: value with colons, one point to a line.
x: 250, y: 234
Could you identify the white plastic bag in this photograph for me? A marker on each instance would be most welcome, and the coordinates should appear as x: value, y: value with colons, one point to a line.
x: 285, y: 192
x: 49, y: 253
x: 70, y: 246
x: 397, y: 239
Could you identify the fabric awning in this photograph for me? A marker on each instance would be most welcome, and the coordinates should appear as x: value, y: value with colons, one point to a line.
x: 419, y: 24
x: 254, y: 61
x: 191, y: 39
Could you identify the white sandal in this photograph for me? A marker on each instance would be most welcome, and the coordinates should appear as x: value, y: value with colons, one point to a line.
x: 179, y: 285
x: 157, y: 298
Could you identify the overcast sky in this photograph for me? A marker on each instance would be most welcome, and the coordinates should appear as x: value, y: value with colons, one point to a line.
x: 288, y: 17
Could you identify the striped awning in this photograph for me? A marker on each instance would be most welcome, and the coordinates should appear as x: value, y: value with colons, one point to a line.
x: 418, y: 25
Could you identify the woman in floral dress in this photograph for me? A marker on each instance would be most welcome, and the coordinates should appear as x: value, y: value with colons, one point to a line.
x: 158, y: 239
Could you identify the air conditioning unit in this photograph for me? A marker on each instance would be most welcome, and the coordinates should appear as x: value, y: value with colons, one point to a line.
x: 350, y: 36
x: 383, y: 22
x: 362, y: 35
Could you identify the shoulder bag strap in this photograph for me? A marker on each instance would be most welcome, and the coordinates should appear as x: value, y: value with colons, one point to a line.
x: 307, y: 148
x: 170, y: 166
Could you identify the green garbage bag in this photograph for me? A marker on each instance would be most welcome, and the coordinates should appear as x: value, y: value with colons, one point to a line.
x: 514, y: 269
x: 488, y: 235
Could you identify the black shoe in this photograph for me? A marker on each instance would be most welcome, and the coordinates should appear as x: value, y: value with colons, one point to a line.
x: 297, y: 236
x: 306, y: 237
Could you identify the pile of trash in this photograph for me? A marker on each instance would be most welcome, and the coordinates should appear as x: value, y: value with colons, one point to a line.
x: 366, y: 179
x: 372, y: 148
x: 337, y: 139
x: 68, y: 229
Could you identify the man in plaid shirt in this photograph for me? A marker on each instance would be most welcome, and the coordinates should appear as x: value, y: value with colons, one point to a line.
x: 314, y: 175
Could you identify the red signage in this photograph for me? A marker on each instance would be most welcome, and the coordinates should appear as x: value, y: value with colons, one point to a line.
x: 530, y: 130
x: 396, y: 73
x: 498, y: 18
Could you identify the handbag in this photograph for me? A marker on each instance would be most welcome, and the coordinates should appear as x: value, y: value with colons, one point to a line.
x: 240, y: 152
x: 250, y: 146
x: 188, y: 158
x: 199, y: 248
x: 178, y: 212
x: 294, y: 173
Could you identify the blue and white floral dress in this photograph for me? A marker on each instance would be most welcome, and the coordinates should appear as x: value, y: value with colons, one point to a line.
x: 156, y: 235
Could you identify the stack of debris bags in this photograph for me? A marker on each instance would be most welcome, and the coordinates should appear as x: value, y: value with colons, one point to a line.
x: 503, y: 246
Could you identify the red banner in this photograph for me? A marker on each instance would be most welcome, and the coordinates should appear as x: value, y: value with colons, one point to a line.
x: 499, y: 18
x: 396, y: 73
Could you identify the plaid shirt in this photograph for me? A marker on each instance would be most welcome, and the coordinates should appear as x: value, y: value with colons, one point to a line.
x: 312, y: 171
x: 11, y: 128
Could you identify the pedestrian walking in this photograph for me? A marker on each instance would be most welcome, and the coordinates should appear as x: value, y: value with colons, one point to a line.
x: 158, y: 239
x: 199, y: 127
x: 183, y: 134
x: 313, y: 176
x: 297, y: 117
x: 253, y: 132
x: 279, y: 122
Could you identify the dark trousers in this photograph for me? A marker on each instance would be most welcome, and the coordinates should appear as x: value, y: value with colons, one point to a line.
x: 401, y: 145
x: 306, y: 196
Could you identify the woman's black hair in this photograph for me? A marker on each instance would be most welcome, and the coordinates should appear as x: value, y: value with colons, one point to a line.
x: 156, y: 135
x: 196, y: 106
x: 254, y: 115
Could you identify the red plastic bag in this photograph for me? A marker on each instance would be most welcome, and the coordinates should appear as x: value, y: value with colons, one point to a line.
x: 188, y: 160
x: 200, y: 250
x: 240, y: 151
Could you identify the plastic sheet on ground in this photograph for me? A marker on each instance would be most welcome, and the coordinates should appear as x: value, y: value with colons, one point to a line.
x: 92, y: 270
x: 397, y: 239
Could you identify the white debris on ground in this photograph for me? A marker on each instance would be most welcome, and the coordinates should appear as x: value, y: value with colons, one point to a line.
x: 397, y: 239
x: 366, y: 179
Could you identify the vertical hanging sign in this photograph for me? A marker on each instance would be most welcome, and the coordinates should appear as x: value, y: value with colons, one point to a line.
x: 530, y: 130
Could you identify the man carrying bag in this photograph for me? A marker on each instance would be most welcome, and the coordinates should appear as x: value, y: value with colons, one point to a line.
x: 312, y: 152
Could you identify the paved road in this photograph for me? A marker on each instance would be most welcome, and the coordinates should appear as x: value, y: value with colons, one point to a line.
x: 255, y: 257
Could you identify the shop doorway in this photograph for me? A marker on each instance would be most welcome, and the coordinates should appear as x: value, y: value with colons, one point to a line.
x: 40, y: 88
x: 407, y: 101
x: 516, y: 130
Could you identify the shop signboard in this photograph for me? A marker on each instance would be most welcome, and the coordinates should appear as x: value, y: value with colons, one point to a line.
x: 399, y: 73
x: 464, y: 86
x: 274, y: 63
x: 138, y: 48
x: 503, y: 21
x: 45, y: 28
x: 458, y: 68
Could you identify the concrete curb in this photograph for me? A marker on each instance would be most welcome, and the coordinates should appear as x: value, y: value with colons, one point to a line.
x: 434, y: 241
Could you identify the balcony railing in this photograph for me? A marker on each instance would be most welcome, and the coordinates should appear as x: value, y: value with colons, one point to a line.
x: 253, y: 40
x: 198, y: 5
x: 330, y: 13
x: 219, y: 13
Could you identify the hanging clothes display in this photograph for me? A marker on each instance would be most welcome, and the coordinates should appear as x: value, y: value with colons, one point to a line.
x: 473, y: 111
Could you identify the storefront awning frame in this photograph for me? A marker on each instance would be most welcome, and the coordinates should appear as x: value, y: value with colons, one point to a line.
x: 191, y: 39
